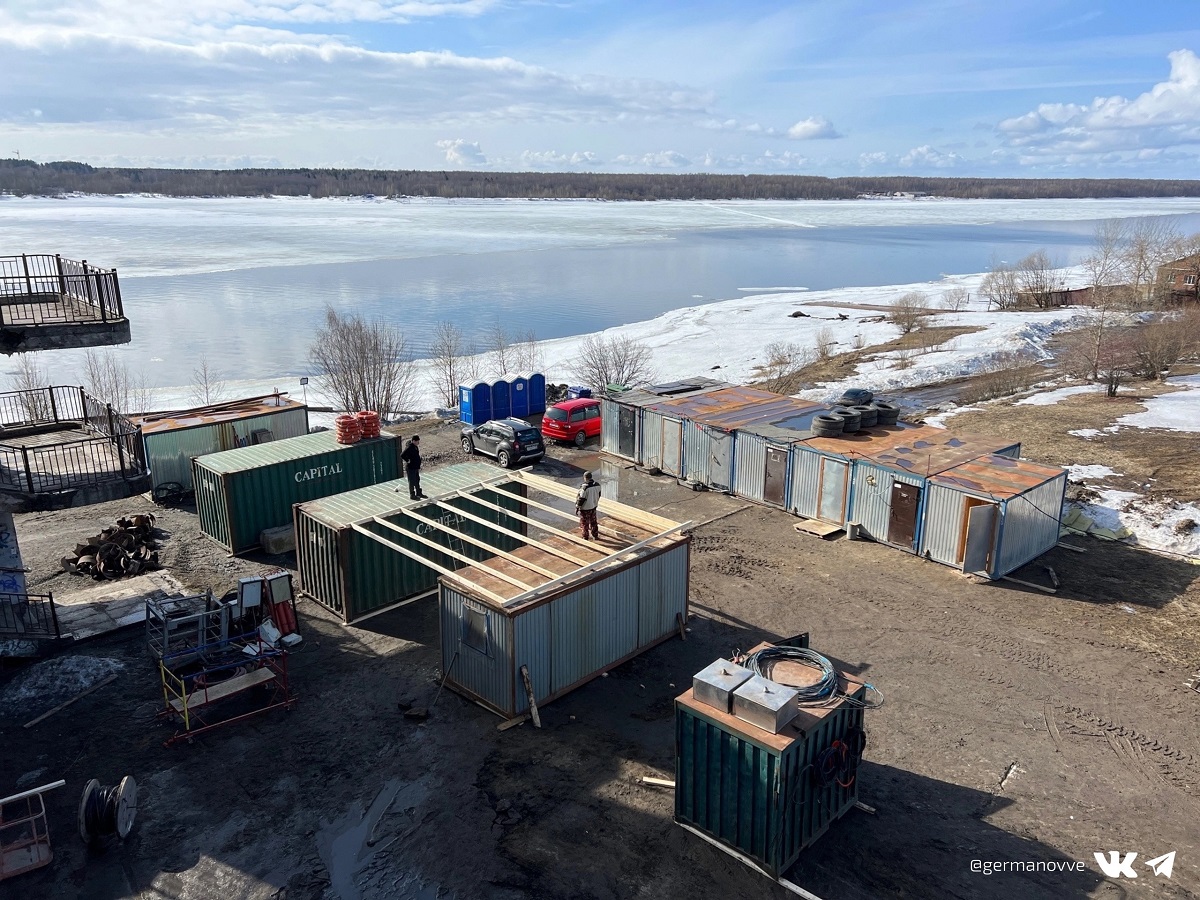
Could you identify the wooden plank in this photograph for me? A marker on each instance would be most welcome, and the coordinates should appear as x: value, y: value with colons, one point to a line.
x: 533, y: 710
x: 441, y: 570
x: 1053, y: 575
x: 1069, y: 547
x: 95, y: 687
x: 817, y: 527
x: 1030, y: 584
x: 511, y: 723
x: 524, y: 539
x: 461, y: 557
x: 484, y: 545
x: 542, y: 525
x: 571, y: 517
x: 613, y: 508
x: 226, y: 688
x: 657, y: 782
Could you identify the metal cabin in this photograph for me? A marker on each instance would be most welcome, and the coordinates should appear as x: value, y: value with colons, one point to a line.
x: 762, y: 457
x: 539, y: 621
x: 710, y: 421
x: 173, y: 439
x: 240, y: 493
x: 993, y: 514
x: 655, y: 439
x: 346, y: 545
x: 877, y: 477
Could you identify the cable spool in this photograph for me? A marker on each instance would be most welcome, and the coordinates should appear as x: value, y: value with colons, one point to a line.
x: 107, y: 811
x: 347, y: 429
x: 368, y: 421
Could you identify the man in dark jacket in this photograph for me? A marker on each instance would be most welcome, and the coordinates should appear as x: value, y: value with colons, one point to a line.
x: 412, y: 467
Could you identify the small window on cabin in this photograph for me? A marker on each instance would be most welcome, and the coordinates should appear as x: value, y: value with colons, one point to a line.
x: 477, y: 630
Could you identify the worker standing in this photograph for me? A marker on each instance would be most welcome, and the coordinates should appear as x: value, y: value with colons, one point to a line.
x: 586, y: 502
x: 412, y: 467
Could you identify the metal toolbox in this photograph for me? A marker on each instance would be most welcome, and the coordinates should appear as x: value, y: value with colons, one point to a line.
x: 716, y: 683
x: 764, y: 703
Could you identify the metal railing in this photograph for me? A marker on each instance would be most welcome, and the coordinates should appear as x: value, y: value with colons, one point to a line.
x: 28, y: 617
x: 113, y: 449
x: 39, y: 289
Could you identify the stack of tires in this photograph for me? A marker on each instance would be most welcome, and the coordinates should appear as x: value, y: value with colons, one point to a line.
x: 852, y: 419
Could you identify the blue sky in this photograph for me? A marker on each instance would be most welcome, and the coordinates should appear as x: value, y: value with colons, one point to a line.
x: 1050, y: 88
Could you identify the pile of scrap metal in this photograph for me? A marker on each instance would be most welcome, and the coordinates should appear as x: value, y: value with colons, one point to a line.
x: 126, y: 548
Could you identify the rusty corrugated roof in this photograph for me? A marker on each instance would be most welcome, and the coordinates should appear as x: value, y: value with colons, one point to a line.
x: 918, y: 449
x: 734, y: 407
x: 231, y: 411
x: 997, y: 476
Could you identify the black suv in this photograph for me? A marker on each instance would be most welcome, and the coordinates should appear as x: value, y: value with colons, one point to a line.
x: 511, y: 441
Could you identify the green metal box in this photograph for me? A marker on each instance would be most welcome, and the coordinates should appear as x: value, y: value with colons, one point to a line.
x: 355, y: 576
x: 241, y: 492
x: 758, y: 793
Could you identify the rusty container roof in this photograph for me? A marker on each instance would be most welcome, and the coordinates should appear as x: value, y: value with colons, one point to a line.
x: 997, y: 476
x: 654, y: 394
x: 917, y: 449
x: 231, y: 411
x: 733, y: 407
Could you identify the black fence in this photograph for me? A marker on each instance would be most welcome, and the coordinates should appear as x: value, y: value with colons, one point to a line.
x: 39, y: 289
x: 28, y: 617
x: 110, y: 449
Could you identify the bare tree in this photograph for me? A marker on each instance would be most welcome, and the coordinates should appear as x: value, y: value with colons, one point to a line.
x: 1038, y: 279
x: 527, y: 353
x: 449, y: 351
x: 824, y: 343
x: 1000, y: 286
x: 33, y: 379
x: 618, y: 360
x: 207, y: 384
x: 1116, y: 361
x: 908, y: 313
x: 784, y: 362
x: 499, y: 349
x: 1148, y: 244
x: 366, y: 365
x: 108, y: 378
x: 956, y: 299
x: 1164, y: 342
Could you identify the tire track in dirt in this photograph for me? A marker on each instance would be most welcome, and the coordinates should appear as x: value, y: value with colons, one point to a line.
x: 1172, y: 765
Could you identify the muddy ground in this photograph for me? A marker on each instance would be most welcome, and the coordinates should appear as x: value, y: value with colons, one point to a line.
x: 1018, y: 727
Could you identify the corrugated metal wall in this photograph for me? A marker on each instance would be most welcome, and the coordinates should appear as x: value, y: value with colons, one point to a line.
x: 696, y: 458
x: 169, y: 454
x: 871, y: 504
x: 489, y: 676
x: 317, y: 562
x: 750, y: 465
x: 806, y: 482
x: 942, y: 523
x: 672, y: 438
x: 652, y: 434
x: 610, y: 428
x: 1013, y: 452
x: 1030, y: 525
x: 573, y: 637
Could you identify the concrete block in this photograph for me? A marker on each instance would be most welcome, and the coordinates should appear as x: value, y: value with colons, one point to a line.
x: 278, y: 540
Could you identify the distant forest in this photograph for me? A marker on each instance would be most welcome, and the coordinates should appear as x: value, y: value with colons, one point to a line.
x: 25, y: 177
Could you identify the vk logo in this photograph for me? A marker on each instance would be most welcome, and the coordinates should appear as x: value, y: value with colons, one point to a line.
x: 1115, y: 865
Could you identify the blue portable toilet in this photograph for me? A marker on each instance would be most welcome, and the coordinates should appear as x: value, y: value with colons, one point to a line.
x: 575, y: 392
x: 501, y: 399
x: 474, y: 403
x: 537, y: 393
x: 518, y: 391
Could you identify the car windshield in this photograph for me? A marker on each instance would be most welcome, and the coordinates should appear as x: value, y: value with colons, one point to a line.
x: 523, y: 434
x: 558, y: 415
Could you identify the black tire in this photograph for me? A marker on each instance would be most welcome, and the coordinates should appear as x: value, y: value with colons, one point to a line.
x: 888, y: 413
x: 868, y: 416
x: 827, y: 432
x: 826, y: 425
x: 504, y: 458
x: 468, y: 446
x: 850, y: 419
x: 580, y: 439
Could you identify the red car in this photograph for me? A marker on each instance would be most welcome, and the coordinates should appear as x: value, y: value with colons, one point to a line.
x: 572, y: 420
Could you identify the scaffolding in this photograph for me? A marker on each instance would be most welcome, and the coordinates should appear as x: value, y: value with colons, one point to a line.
x: 176, y: 624
x: 195, y: 680
x: 24, y: 833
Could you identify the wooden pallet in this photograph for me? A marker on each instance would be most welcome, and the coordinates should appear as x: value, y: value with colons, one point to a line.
x: 824, y: 530
x: 227, y: 688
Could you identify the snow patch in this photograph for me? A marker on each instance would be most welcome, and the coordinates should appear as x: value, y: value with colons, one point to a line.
x: 1050, y: 398
x: 47, y: 684
x: 1163, y: 525
x: 1177, y: 411
x: 1083, y: 472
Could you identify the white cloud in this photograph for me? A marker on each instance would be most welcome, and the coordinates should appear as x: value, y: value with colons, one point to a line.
x: 1168, y: 115
x: 463, y: 153
x: 812, y: 128
x: 552, y: 159
x: 663, y: 159
x: 870, y: 160
x: 927, y: 157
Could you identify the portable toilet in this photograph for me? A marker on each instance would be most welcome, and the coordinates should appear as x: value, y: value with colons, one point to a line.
x: 474, y: 403
x: 518, y: 391
x: 537, y: 394
x: 501, y: 399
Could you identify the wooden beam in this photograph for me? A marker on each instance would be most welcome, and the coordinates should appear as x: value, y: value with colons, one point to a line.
x: 461, y: 557
x: 484, y: 545
x: 441, y: 570
x: 525, y: 539
x: 1030, y: 584
x: 575, y: 539
x: 95, y: 687
x: 571, y: 517
x: 613, y: 508
x: 533, y: 710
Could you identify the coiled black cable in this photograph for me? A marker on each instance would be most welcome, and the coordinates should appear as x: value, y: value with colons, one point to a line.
x: 100, y: 811
x: 825, y: 692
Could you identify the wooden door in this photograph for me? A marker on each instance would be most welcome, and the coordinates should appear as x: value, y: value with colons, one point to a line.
x: 978, y: 535
x: 902, y: 518
x: 775, y: 476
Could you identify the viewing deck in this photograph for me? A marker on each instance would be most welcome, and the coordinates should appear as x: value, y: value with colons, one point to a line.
x: 51, y: 303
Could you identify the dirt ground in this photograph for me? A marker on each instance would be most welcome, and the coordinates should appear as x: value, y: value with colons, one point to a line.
x: 1018, y: 727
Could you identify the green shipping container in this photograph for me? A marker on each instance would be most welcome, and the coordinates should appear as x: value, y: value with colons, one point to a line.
x: 756, y: 792
x: 240, y: 493
x: 355, y: 576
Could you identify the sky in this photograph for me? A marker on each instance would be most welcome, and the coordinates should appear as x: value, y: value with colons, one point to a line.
x: 1017, y: 88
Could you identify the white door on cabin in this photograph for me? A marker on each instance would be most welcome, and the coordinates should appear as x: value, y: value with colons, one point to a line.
x: 718, y: 468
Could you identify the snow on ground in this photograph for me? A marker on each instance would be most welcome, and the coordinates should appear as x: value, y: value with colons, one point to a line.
x: 1159, y: 525
x: 1090, y: 472
x: 45, y: 685
x: 939, y: 420
x: 1177, y: 411
x: 1050, y: 398
x: 1090, y: 433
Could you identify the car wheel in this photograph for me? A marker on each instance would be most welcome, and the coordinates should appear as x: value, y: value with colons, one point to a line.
x: 503, y: 458
x: 467, y: 446
x: 580, y: 439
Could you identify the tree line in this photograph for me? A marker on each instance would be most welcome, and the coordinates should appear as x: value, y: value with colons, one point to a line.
x: 25, y: 177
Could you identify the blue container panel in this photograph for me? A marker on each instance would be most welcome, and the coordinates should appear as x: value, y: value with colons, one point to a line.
x: 518, y: 390
x: 501, y: 401
x: 575, y: 392
x: 537, y: 394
